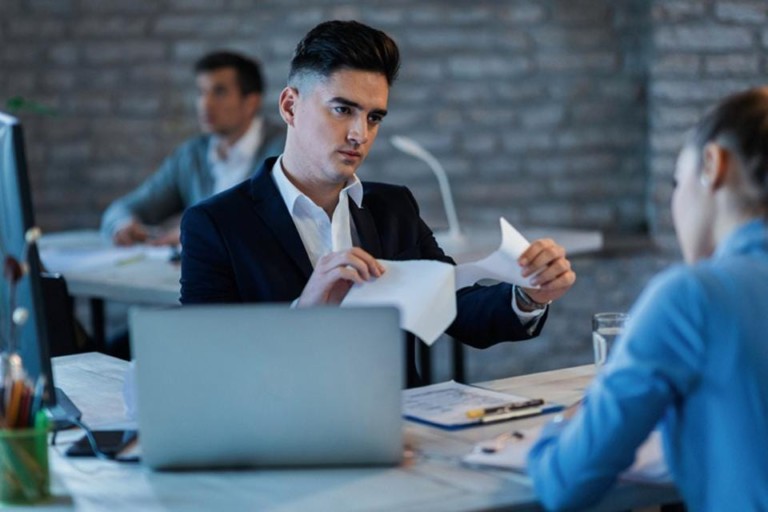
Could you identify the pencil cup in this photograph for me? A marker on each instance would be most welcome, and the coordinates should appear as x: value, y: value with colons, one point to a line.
x: 606, y: 327
x: 24, y: 476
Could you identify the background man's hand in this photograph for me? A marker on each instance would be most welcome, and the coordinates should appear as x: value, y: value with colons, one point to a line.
x: 133, y: 233
x: 172, y: 236
x: 335, y: 274
x: 553, y: 271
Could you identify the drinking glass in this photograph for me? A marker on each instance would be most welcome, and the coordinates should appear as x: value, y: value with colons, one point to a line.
x: 606, y: 327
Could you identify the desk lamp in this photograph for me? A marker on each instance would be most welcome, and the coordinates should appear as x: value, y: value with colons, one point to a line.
x: 452, y: 239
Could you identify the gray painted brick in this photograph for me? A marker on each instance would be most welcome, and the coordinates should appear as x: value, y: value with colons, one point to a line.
x: 743, y: 12
x: 703, y: 37
x: 65, y: 54
x: 51, y: 6
x: 35, y: 28
x: 678, y: 10
x: 528, y: 12
x: 196, y: 5
x: 674, y: 117
x: 573, y: 39
x: 676, y: 64
x: 563, y: 61
x: 469, y: 15
x: 448, y: 39
x: 138, y: 105
x: 732, y: 64
x: 119, y: 6
x: 124, y: 51
x: 220, y: 24
x: 542, y: 116
x: 112, y: 26
x: 706, y: 90
x: 487, y: 67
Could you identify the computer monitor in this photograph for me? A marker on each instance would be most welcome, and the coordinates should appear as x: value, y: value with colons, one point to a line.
x: 16, y: 217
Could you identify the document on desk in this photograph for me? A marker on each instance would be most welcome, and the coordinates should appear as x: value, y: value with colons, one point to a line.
x: 451, y: 405
x: 511, y: 451
x: 423, y: 291
x: 501, y: 265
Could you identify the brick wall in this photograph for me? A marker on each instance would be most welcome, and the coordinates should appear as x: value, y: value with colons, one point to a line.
x: 550, y: 112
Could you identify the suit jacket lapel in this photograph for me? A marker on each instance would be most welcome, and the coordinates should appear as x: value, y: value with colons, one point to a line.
x: 271, y: 208
x: 366, y: 229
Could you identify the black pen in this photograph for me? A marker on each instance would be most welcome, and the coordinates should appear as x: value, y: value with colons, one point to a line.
x: 501, y: 409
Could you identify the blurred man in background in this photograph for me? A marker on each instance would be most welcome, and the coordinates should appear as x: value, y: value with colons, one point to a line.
x: 235, y: 141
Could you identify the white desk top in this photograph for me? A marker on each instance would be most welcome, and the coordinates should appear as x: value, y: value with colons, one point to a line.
x: 94, y: 268
x: 432, y: 481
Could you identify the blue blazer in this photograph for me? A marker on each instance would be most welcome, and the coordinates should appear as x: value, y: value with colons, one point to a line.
x: 241, y: 246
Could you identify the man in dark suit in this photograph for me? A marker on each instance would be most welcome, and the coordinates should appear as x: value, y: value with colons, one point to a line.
x: 305, y: 229
x: 235, y: 141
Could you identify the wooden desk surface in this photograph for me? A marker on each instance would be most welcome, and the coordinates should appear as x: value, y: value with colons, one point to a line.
x: 433, y: 479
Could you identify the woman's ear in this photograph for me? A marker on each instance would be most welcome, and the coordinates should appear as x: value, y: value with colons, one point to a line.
x: 287, y: 104
x: 716, y: 163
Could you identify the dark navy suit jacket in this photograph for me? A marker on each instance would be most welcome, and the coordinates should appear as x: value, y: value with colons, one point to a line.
x: 242, y: 246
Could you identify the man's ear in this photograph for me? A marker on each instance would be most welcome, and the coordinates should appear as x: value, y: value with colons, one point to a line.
x: 716, y: 163
x: 287, y: 104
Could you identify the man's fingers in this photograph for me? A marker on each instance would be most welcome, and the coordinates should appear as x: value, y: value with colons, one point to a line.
x: 365, y: 264
x: 553, y: 271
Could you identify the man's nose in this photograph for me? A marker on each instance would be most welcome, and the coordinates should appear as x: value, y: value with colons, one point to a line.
x: 358, y: 132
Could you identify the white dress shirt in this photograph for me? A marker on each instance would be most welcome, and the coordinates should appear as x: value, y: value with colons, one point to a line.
x: 320, y: 234
x: 231, y: 165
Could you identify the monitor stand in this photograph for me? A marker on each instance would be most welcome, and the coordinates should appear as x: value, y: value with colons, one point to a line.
x: 62, y: 413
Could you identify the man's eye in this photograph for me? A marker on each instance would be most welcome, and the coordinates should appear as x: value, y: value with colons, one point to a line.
x: 375, y: 119
x: 341, y: 109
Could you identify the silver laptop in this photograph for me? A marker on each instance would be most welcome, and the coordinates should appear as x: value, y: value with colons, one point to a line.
x: 266, y: 385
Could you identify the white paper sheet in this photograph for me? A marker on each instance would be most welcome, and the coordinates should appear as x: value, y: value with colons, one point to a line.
x: 511, y: 453
x: 500, y: 265
x: 423, y: 291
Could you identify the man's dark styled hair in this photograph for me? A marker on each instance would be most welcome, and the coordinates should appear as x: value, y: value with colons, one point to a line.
x: 248, y: 72
x: 740, y: 124
x: 335, y: 45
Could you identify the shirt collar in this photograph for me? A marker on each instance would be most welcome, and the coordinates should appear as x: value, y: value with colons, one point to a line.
x: 747, y: 238
x: 244, y: 148
x: 290, y: 194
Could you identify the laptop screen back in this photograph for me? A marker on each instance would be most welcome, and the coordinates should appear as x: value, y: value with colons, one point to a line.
x: 265, y: 385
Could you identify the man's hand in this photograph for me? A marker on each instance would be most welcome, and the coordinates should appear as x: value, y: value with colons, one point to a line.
x: 170, y: 237
x: 335, y: 274
x: 133, y: 233
x: 553, y: 271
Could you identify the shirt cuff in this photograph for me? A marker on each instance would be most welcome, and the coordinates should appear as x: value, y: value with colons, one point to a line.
x: 529, y: 319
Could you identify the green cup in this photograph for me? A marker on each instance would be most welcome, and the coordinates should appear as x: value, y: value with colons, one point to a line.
x: 24, y: 475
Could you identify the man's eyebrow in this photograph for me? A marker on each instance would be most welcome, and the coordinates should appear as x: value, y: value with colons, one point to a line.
x: 354, y: 104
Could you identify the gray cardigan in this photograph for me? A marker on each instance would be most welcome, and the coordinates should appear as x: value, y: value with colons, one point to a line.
x: 182, y: 180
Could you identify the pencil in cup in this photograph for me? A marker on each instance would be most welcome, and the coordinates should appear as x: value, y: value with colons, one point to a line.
x: 24, y: 472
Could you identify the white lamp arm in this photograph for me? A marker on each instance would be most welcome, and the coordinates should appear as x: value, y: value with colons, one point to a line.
x: 411, y: 147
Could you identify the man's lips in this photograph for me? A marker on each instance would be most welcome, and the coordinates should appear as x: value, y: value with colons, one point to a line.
x: 351, y: 154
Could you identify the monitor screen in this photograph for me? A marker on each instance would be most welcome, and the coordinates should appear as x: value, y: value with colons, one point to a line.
x: 16, y: 217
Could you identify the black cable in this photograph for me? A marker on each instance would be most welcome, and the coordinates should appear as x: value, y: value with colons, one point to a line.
x: 97, y: 452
